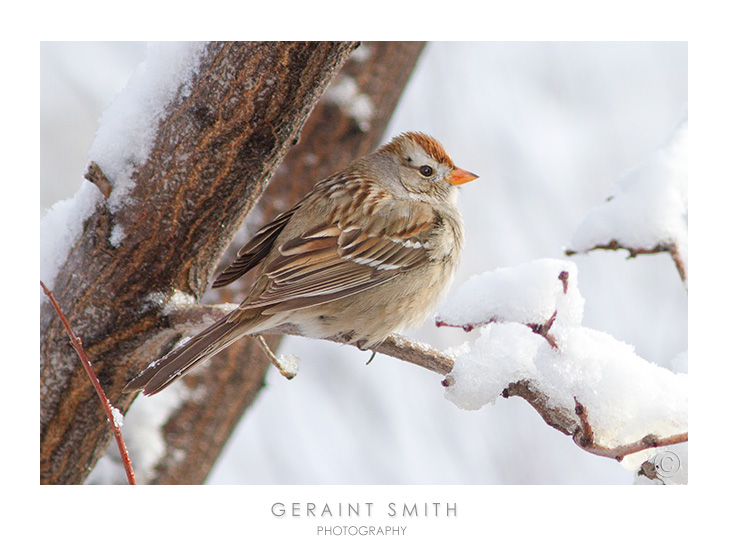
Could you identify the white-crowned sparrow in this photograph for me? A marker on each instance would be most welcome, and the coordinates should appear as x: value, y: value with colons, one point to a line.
x: 369, y: 251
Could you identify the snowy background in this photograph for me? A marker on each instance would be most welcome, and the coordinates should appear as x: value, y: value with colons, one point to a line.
x: 548, y: 127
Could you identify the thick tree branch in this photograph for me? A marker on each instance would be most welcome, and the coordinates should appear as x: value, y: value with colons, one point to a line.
x: 216, y: 147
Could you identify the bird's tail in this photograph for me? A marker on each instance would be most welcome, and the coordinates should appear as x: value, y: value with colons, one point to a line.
x: 189, y: 354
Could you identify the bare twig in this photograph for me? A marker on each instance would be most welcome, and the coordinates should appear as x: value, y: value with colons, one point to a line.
x: 647, y: 442
x: 583, y: 436
x: 96, y: 176
x: 563, y: 277
x: 561, y: 419
x: 543, y: 330
x: 670, y: 248
x: 416, y: 352
x: 396, y: 346
x: 274, y: 361
x: 110, y: 415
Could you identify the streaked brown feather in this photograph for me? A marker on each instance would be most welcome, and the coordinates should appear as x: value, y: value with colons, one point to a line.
x: 255, y: 250
x: 176, y: 363
x: 331, y: 261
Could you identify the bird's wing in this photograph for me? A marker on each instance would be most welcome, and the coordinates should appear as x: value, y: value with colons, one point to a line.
x: 255, y: 250
x: 338, y: 259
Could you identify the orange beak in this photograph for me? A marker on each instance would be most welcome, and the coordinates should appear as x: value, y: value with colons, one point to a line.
x: 460, y: 176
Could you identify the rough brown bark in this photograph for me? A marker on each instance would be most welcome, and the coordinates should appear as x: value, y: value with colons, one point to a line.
x: 215, y: 150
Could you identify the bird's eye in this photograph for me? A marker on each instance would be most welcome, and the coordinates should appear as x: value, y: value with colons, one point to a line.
x: 425, y: 170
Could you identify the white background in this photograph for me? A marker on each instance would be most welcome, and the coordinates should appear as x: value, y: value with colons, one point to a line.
x: 519, y: 521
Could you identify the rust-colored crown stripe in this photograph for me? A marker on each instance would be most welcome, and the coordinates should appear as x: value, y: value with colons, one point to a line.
x: 432, y: 147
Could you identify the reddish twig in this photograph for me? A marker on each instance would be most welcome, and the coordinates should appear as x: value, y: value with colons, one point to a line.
x: 647, y: 442
x: 543, y: 330
x: 583, y: 436
x: 670, y: 248
x: 77, y: 345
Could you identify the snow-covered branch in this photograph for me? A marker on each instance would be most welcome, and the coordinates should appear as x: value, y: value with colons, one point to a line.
x: 582, y: 382
x: 647, y: 212
x: 626, y: 397
x: 532, y: 345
